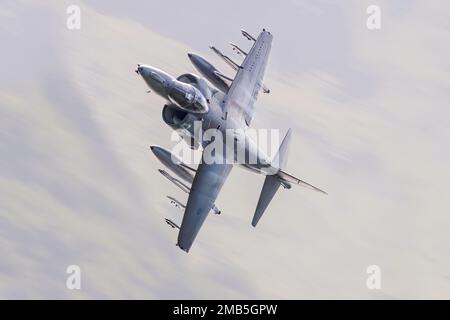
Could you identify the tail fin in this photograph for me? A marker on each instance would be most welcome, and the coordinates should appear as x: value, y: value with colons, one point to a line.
x: 280, y: 159
x: 272, y: 182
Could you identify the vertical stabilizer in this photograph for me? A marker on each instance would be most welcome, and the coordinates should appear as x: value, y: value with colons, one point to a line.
x: 272, y: 182
x: 280, y: 159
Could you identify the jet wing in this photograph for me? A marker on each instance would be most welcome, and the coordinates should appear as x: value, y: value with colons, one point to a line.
x: 249, y: 80
x: 208, y: 182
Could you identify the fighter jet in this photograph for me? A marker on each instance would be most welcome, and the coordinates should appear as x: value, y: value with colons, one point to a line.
x: 223, y: 103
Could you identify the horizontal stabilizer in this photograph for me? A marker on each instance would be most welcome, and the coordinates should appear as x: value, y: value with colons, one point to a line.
x: 270, y: 187
x: 290, y: 178
x: 273, y: 182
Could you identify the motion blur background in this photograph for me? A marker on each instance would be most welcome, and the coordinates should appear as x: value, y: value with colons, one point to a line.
x: 371, y: 120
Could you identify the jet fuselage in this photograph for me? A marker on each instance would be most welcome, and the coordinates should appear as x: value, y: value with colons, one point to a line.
x: 190, y: 99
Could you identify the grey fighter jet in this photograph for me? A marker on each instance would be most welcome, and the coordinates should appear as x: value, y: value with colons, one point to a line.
x: 223, y: 103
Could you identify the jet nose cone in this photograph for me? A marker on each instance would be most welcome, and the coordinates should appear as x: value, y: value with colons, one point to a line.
x: 138, y: 69
x: 193, y: 57
x: 155, y: 149
x: 157, y: 80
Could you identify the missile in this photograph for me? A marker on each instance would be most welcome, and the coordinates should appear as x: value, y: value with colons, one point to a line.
x: 181, y: 169
x: 221, y: 75
x: 175, y: 181
x: 247, y: 35
x: 208, y: 71
x: 176, y: 203
x: 230, y: 62
x: 171, y: 223
x: 175, y: 164
x: 237, y: 49
x: 184, y: 188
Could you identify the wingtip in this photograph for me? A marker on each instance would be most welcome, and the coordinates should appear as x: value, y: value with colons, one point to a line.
x: 255, y: 219
x: 182, y: 249
x: 321, y: 191
x: 311, y: 187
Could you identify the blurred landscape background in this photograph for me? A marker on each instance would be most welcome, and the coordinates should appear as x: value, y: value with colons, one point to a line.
x: 371, y: 121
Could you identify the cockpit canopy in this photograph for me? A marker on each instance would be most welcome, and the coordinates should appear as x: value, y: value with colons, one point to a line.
x: 198, y: 83
x: 188, y: 98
